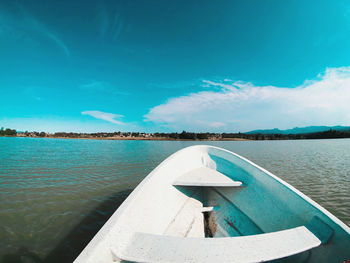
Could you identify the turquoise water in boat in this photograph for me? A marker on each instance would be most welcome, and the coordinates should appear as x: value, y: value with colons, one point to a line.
x: 55, y: 194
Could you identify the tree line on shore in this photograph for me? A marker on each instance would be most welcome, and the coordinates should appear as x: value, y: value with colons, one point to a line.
x: 7, y: 132
x: 182, y: 136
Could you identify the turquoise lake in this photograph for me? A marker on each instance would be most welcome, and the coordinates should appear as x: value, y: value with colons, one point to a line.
x: 55, y: 194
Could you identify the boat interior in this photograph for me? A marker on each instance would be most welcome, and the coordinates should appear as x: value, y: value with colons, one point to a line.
x: 204, y: 204
x: 228, y: 197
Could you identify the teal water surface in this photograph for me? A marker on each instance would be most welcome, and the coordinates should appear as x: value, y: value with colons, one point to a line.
x: 55, y: 194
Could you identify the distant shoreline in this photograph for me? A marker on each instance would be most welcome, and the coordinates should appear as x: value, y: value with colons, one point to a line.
x: 130, y: 138
x: 166, y: 138
x: 183, y: 136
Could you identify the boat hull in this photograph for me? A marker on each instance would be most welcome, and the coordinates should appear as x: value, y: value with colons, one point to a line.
x: 262, y: 204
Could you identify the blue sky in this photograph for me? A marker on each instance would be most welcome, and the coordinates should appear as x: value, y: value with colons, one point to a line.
x: 222, y: 66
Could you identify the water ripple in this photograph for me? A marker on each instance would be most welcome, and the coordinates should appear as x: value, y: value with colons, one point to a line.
x: 55, y: 194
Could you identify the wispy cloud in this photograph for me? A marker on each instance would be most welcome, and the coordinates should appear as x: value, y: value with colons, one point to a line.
x: 57, y: 41
x: 242, y: 106
x: 110, y: 117
x: 111, y: 21
x: 217, y: 124
x: 101, y: 86
x: 17, y: 23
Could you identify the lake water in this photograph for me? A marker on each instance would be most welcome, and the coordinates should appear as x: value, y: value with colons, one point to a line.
x: 55, y: 194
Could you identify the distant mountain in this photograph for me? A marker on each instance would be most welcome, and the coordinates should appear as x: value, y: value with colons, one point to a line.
x: 303, y: 130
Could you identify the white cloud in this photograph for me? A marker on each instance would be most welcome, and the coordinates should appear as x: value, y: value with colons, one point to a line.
x: 242, y: 106
x: 110, y: 117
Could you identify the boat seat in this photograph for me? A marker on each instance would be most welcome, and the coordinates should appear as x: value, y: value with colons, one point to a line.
x: 144, y: 247
x: 189, y: 220
x: 205, y: 176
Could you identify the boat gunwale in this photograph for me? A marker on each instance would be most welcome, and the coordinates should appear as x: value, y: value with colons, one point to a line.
x: 103, y: 232
x: 301, y: 194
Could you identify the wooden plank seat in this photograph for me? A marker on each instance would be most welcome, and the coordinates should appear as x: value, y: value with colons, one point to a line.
x: 144, y: 247
x: 205, y: 176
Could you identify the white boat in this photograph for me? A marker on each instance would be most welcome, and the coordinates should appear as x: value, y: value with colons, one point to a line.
x: 207, y: 204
